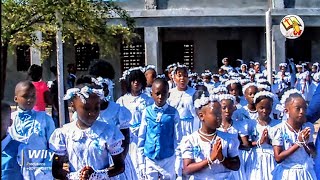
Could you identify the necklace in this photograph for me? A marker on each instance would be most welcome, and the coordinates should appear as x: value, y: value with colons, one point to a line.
x: 292, y: 128
x: 263, y: 123
x: 212, y: 141
x: 205, y: 134
x: 222, y: 126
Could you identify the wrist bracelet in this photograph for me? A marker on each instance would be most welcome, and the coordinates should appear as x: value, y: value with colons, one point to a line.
x: 224, y: 158
x: 300, y: 144
x: 209, y: 162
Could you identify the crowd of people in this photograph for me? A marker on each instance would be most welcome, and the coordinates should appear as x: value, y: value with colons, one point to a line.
x: 229, y: 124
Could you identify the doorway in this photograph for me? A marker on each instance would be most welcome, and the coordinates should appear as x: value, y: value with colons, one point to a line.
x: 299, y: 50
x: 232, y: 49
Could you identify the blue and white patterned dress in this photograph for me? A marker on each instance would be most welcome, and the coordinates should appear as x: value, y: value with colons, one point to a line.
x: 182, y: 101
x: 297, y: 166
x: 92, y: 147
x: 195, y: 148
x: 261, y: 162
x: 120, y: 117
x: 135, y: 104
x: 239, y: 129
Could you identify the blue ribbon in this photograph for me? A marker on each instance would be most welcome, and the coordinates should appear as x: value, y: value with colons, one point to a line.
x: 25, y: 115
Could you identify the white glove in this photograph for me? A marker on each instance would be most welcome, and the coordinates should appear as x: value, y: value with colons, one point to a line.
x: 142, y: 171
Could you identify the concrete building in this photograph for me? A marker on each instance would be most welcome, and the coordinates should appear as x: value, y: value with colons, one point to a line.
x: 200, y: 33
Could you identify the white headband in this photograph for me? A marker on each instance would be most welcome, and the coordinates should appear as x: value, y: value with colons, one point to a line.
x: 243, y: 65
x: 148, y: 67
x: 263, y: 86
x: 233, y: 81
x: 206, y: 74
x: 83, y: 93
x: 283, y: 64
x: 287, y: 94
x: 263, y: 93
x: 171, y: 66
x: 227, y: 97
x: 198, y: 103
x: 245, y: 87
x: 100, y: 81
x: 179, y: 66
x: 215, y: 75
x: 220, y: 88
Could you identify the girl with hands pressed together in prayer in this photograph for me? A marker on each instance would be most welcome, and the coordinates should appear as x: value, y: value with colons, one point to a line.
x: 92, y: 148
x: 293, y: 141
x: 209, y: 153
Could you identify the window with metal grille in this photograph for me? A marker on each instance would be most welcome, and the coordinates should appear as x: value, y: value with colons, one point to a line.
x: 85, y: 53
x: 23, y: 57
x: 178, y: 51
x: 132, y: 55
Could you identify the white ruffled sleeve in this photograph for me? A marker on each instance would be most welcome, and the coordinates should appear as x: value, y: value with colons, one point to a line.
x: 57, y: 142
x: 114, y: 142
x: 187, y: 148
x: 277, y: 136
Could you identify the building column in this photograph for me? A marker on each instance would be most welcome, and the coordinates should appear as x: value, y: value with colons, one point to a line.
x: 278, y: 47
x: 278, y: 4
x: 35, y: 56
x: 150, y: 4
x: 152, y: 48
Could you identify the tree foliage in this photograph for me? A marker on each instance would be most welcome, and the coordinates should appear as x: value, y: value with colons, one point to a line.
x: 84, y: 21
x: 81, y: 21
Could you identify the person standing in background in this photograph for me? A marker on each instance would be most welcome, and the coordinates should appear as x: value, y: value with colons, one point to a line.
x: 42, y: 90
x: 55, y: 102
x: 71, y: 68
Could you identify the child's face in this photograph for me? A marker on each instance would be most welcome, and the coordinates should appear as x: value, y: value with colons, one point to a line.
x: 215, y: 79
x: 211, y: 115
x: 249, y: 94
x: 136, y: 86
x: 234, y: 90
x: 88, y: 112
x: 221, y: 71
x: 169, y: 73
x: 282, y: 69
x: 264, y: 108
x: 314, y: 69
x: 206, y: 79
x: 243, y: 68
x: 227, y: 108
x: 181, y: 79
x: 257, y: 68
x: 299, y: 69
x: 5, y: 123
x: 159, y: 94
x: 296, y: 109
x: 150, y: 76
x: 25, y: 97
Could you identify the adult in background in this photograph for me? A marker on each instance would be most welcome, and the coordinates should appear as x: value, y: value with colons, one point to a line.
x: 71, y: 68
x: 313, y: 114
x: 42, y: 91
x: 55, y: 102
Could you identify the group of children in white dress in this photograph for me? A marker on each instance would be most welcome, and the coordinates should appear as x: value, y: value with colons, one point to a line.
x: 234, y: 127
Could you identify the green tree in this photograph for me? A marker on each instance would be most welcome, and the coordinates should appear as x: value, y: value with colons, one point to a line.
x: 83, y: 21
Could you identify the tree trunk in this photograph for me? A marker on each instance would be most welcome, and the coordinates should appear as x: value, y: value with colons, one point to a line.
x: 4, y: 56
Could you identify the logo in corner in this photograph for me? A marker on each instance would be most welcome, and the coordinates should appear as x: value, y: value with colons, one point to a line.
x: 291, y: 26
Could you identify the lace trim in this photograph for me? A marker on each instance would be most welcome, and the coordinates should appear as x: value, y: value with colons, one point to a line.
x: 100, y: 175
